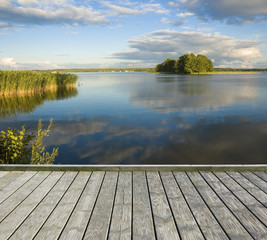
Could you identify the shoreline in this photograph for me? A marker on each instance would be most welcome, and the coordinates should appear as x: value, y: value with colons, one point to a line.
x: 210, y: 73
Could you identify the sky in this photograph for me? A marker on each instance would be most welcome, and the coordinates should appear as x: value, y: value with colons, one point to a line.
x: 50, y: 34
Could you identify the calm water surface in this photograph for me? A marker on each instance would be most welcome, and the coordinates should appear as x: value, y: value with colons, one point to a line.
x: 141, y: 118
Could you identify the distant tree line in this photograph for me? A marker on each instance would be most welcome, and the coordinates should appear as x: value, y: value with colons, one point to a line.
x: 74, y: 70
x: 186, y: 64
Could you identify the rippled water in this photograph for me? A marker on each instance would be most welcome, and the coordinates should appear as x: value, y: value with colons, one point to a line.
x: 141, y: 118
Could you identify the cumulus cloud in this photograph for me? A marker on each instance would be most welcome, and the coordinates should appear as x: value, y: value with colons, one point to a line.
x: 231, y: 11
x: 5, y: 26
x: 174, y: 23
x: 187, y: 14
x: 10, y: 63
x: 225, y: 51
x: 69, y: 12
x: 48, y: 12
x: 133, y: 8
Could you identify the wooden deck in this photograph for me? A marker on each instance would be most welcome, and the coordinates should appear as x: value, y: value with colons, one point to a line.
x: 133, y: 203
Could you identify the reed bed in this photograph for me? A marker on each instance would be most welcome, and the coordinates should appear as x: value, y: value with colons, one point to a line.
x: 23, y: 82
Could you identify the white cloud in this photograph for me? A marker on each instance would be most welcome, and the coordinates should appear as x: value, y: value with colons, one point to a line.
x: 232, y: 11
x: 27, y: 2
x: 173, y: 23
x: 69, y: 12
x: 5, y: 26
x: 187, y: 14
x: 156, y: 46
x: 10, y: 63
x: 173, y: 4
x: 48, y: 12
x: 133, y: 8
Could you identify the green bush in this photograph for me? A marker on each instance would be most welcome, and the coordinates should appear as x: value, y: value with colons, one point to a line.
x: 15, y: 149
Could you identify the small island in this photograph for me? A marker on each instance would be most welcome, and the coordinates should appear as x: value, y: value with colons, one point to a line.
x: 200, y: 64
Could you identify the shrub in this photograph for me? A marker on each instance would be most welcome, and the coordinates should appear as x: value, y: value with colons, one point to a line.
x: 15, y: 149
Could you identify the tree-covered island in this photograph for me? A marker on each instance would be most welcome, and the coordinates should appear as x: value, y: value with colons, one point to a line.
x: 186, y: 64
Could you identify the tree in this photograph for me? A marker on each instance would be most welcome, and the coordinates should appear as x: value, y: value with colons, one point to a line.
x: 166, y: 66
x: 186, y: 64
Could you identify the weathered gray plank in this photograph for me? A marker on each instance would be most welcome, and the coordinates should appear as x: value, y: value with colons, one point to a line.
x: 230, y: 224
x: 257, y: 208
x: 262, y: 175
x: 256, y: 180
x: 29, y: 228
x: 163, y: 219
x: 15, y: 185
x: 187, y: 225
x: 11, y: 176
x: 16, y: 198
x: 16, y: 217
x: 3, y: 173
x: 210, y: 227
x: 143, y: 228
x: 120, y: 228
x: 250, y: 187
x: 249, y: 221
x: 77, y: 223
x: 57, y: 220
x: 100, y: 220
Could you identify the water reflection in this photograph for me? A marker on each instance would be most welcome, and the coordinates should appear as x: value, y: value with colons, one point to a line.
x: 103, y: 142
x: 172, y: 94
x: 26, y: 104
x: 152, y: 119
x: 187, y: 85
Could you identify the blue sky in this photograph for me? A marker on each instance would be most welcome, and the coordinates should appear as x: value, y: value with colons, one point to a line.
x: 46, y: 34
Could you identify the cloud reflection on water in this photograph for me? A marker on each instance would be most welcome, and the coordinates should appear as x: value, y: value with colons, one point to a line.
x: 172, y: 94
x: 199, y: 143
x: 158, y: 119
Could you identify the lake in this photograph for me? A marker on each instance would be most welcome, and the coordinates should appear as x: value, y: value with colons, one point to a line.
x: 144, y: 118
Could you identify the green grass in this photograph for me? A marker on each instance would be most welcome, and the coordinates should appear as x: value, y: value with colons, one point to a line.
x: 20, y: 82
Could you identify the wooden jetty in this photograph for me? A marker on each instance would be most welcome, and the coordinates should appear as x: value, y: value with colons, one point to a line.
x: 133, y: 202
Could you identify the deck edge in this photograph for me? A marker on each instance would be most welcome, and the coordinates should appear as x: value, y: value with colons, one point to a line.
x: 111, y: 167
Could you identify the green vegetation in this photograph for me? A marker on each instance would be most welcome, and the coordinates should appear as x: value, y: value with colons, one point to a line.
x: 21, y: 82
x: 167, y: 66
x: 14, y: 147
x: 12, y: 105
x: 186, y: 64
